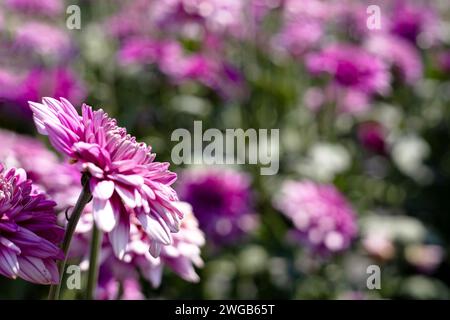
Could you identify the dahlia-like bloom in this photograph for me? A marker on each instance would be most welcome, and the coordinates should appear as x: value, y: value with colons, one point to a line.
x: 182, y: 256
x: 29, y: 235
x: 372, y: 136
x: 221, y: 200
x: 351, y: 67
x: 124, y: 179
x: 399, y: 53
x: 323, y: 218
x: 59, y: 180
x: 42, y: 7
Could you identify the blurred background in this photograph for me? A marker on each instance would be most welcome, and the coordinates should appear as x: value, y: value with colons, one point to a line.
x: 361, y: 97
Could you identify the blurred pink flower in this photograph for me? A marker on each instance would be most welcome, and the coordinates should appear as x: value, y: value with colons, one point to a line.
x: 323, y: 218
x: 29, y: 235
x: 298, y: 38
x: 40, y: 7
x: 351, y: 67
x: 124, y: 179
x: 42, y: 39
x: 221, y: 200
x: 411, y: 19
x: 303, y: 26
x: 58, y: 82
x: 400, y: 54
x: 9, y: 85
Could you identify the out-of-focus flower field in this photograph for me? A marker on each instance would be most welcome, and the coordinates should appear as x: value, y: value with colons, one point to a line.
x: 363, y: 112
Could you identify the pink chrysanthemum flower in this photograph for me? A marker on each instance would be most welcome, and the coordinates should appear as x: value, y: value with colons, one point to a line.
x: 182, y: 256
x: 124, y: 178
x: 29, y: 235
x: 323, y: 218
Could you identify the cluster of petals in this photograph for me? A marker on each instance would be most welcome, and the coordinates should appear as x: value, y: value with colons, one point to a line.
x: 29, y: 235
x: 124, y: 179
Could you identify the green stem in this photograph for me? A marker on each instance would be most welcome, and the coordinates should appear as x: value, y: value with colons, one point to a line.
x: 96, y: 243
x: 83, y: 199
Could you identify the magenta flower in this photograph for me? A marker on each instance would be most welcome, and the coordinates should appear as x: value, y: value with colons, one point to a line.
x: 411, y: 19
x: 29, y: 235
x: 57, y: 82
x: 124, y: 178
x: 323, y: 218
x: 221, y: 200
x: 351, y: 67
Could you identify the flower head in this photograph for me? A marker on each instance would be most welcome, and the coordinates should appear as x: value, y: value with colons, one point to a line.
x: 221, y: 200
x: 125, y: 180
x: 29, y: 235
x: 351, y: 67
x: 323, y: 218
x: 411, y: 19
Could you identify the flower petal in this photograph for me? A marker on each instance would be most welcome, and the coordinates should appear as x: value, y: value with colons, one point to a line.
x: 102, y: 190
x: 104, y: 214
